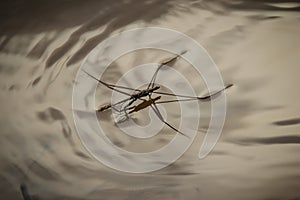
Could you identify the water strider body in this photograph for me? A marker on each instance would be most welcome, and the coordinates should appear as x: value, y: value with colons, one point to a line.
x: 142, y: 93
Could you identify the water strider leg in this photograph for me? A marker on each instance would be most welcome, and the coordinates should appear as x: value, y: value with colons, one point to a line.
x: 152, y: 82
x: 126, y: 107
x: 159, y: 115
x: 208, y: 97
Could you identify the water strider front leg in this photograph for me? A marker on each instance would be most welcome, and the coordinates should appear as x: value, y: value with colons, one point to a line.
x: 126, y: 107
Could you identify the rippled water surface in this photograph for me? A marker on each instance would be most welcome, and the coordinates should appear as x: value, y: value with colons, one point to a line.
x: 256, y: 46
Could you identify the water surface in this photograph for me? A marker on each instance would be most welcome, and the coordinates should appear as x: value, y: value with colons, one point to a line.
x: 256, y: 46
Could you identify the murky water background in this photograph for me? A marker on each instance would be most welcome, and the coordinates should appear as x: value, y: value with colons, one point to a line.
x: 256, y: 46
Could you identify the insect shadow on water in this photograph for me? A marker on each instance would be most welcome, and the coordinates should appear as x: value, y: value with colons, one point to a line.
x: 145, y: 96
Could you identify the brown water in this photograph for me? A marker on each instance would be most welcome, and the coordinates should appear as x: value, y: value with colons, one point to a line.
x: 256, y: 46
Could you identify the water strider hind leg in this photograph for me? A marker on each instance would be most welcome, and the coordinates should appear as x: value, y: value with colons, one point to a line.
x: 159, y: 115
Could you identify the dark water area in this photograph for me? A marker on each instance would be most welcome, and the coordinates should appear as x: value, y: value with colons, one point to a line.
x: 256, y: 46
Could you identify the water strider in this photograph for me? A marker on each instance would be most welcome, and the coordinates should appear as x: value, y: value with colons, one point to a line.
x: 145, y: 96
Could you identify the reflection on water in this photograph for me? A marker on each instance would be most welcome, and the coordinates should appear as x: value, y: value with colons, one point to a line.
x: 256, y: 46
x: 287, y: 122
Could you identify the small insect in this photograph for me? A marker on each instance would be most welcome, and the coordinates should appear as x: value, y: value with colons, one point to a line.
x: 145, y: 96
